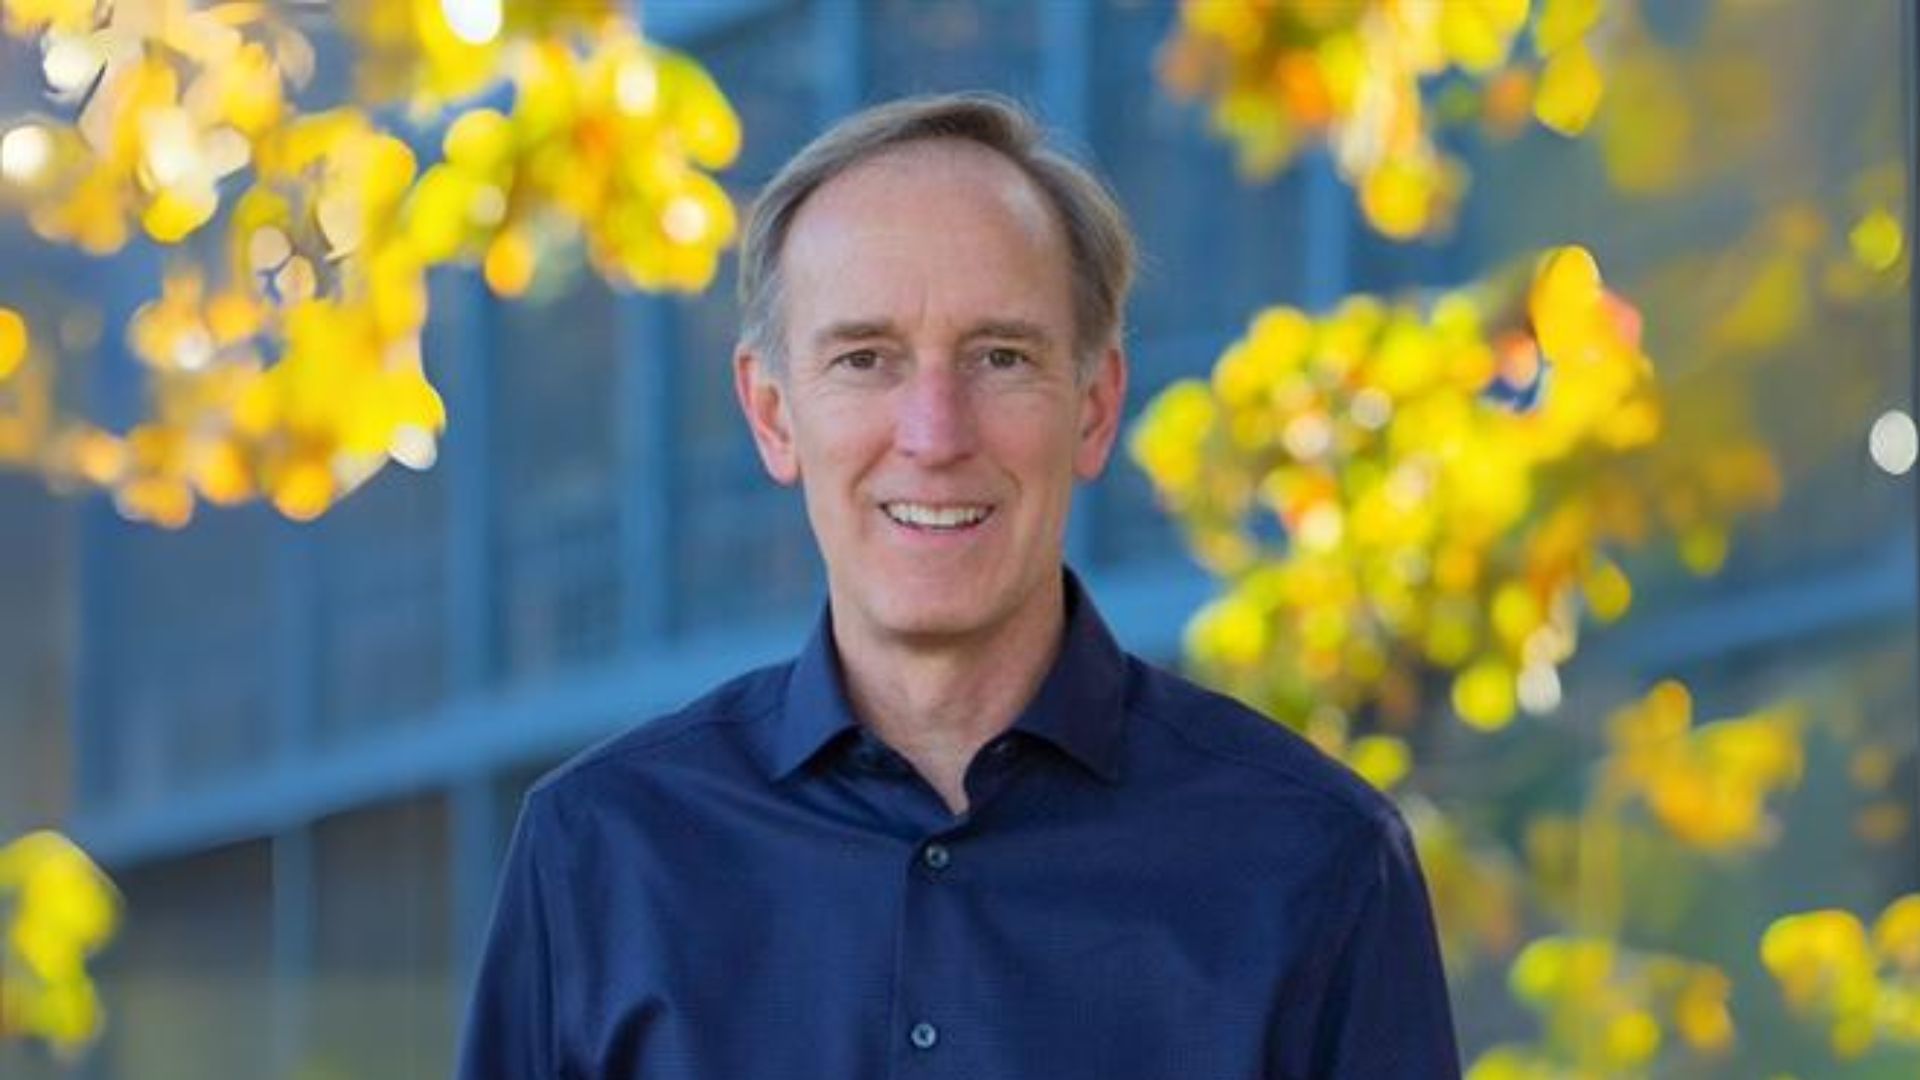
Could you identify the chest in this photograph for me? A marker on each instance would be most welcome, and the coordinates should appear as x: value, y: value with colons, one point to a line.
x: 1061, y: 940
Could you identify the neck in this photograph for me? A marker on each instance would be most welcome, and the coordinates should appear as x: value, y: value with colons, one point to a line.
x: 937, y: 701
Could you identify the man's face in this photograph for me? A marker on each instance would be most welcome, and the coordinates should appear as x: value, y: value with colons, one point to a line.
x: 929, y: 404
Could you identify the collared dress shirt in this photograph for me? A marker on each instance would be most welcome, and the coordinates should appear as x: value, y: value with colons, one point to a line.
x: 1151, y: 882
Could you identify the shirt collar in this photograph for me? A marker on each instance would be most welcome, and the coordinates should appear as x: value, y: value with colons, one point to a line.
x: 1078, y: 707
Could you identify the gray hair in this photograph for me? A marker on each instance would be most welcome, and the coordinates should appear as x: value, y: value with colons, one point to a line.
x: 1100, y: 243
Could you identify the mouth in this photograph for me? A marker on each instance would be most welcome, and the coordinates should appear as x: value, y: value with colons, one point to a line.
x: 937, y: 518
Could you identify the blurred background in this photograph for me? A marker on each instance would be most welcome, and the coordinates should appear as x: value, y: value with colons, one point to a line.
x: 1523, y: 397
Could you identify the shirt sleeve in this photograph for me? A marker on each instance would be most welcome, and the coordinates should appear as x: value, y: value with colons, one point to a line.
x: 1385, y: 1012
x: 509, y: 1025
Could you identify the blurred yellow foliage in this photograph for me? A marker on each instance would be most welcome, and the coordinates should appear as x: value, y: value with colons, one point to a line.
x: 1609, y: 1010
x: 612, y: 146
x: 1390, y: 487
x: 56, y: 910
x: 1284, y: 75
x: 291, y: 369
x: 1707, y: 786
x: 1863, y: 985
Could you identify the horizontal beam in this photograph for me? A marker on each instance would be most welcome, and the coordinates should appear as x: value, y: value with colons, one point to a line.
x: 485, y: 734
x: 1879, y: 585
x: 1147, y: 608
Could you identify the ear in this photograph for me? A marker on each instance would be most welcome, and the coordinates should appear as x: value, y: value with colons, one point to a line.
x: 763, y: 399
x: 1102, y: 400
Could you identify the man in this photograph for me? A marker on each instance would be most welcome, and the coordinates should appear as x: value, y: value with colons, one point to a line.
x: 963, y: 835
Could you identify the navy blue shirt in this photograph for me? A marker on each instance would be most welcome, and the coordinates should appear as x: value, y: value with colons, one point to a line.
x: 1151, y: 882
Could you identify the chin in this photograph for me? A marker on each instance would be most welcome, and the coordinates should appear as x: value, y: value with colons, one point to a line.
x: 928, y: 622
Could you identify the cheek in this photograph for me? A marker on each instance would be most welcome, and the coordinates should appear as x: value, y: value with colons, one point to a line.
x: 834, y: 445
x: 1039, y: 445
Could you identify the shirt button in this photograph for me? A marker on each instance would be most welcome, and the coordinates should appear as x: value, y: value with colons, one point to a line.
x: 923, y: 1035
x: 936, y: 856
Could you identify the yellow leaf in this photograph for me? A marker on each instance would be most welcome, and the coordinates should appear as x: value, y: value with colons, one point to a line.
x: 13, y: 341
x: 397, y: 290
x: 706, y: 124
x: 1552, y: 967
x: 1896, y: 933
x: 305, y: 490
x: 480, y: 142
x: 1382, y: 760
x: 1230, y: 631
x: 509, y: 263
x: 24, y: 17
x: 233, y: 316
x: 1562, y: 22
x: 415, y: 401
x: 1700, y: 1012
x: 222, y: 473
x: 69, y: 1013
x: 176, y: 212
x: 1516, y: 613
x: 1565, y: 304
x: 165, y: 502
x: 438, y: 220
x: 1478, y: 34
x: 1569, y: 92
x: 1608, y: 590
x: 1877, y: 240
x: 1632, y: 1038
x: 1483, y: 694
x: 1703, y: 548
x: 1401, y: 198
x: 1810, y: 952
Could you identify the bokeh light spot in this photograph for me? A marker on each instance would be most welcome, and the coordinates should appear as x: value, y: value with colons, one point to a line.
x: 475, y: 22
x: 1893, y: 443
x: 25, y: 153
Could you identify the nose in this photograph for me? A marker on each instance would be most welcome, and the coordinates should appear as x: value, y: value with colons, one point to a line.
x: 934, y: 423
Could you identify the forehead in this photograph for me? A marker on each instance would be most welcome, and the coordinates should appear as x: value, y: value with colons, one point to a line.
x: 944, y: 225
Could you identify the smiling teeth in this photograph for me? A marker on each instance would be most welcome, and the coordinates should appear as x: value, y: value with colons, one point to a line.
x: 936, y: 517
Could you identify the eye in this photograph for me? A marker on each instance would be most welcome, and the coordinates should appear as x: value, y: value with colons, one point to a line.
x: 857, y: 360
x: 1005, y: 359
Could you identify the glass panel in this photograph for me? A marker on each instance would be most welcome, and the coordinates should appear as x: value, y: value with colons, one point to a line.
x: 193, y: 649
x: 189, y: 982
x: 381, y: 600
x: 382, y: 973
x: 556, y: 404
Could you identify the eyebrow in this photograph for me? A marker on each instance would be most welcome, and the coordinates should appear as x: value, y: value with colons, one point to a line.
x: 1011, y: 330
x: 869, y: 329
x: 853, y: 330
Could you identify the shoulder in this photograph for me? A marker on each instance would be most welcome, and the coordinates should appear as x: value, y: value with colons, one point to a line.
x: 710, y: 729
x: 1249, y: 750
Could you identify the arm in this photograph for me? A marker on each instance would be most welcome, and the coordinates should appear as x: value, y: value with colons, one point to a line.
x: 1385, y: 1012
x: 509, y: 1027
